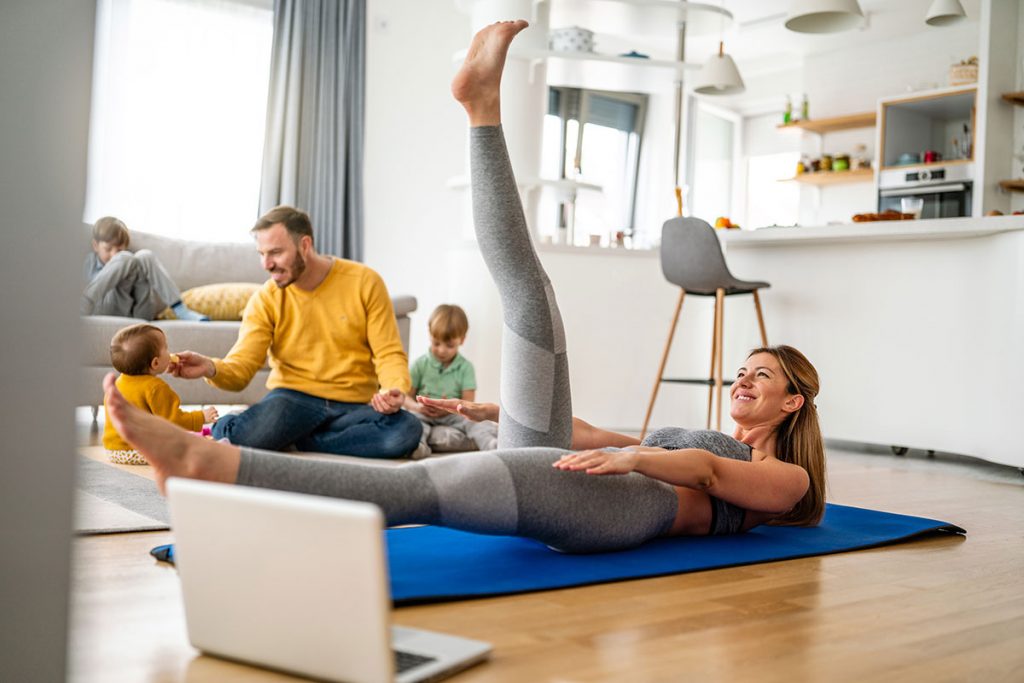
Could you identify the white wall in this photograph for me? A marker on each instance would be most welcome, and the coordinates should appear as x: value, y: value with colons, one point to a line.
x: 415, y: 142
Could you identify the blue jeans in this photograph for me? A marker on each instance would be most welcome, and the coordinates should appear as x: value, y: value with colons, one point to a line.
x: 285, y: 417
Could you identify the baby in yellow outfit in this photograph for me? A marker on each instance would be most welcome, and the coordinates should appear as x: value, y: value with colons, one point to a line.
x: 140, y: 353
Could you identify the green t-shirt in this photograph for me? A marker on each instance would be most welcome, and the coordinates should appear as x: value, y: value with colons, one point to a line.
x: 429, y: 378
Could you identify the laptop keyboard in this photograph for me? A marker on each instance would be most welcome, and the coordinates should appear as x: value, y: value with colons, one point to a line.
x: 407, y: 660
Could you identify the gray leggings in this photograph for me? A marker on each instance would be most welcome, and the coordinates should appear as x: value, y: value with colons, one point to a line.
x: 514, y: 490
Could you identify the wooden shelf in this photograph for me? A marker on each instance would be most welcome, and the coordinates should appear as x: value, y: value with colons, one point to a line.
x: 822, y: 126
x: 860, y: 175
x: 1012, y: 185
x: 1014, y: 97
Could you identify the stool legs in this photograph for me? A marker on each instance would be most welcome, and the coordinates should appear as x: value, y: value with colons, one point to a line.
x: 760, y: 318
x: 664, y: 359
x: 719, y: 320
x: 714, y: 358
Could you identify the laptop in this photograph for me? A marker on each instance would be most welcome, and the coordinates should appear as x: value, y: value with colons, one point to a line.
x: 298, y: 583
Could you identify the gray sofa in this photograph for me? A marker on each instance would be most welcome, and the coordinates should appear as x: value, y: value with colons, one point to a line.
x: 192, y: 264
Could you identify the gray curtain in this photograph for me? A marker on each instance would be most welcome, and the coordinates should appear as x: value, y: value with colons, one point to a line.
x: 313, y: 151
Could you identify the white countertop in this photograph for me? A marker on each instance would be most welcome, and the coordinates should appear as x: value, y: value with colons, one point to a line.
x: 929, y: 229
x: 938, y: 228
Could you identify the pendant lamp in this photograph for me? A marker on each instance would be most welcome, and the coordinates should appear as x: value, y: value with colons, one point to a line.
x: 823, y: 16
x: 719, y: 76
x: 945, y: 13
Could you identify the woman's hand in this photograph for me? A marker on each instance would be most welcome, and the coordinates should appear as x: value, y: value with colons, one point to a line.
x: 475, y: 412
x: 605, y: 462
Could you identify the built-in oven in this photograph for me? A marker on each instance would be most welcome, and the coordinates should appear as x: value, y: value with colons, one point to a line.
x: 945, y: 191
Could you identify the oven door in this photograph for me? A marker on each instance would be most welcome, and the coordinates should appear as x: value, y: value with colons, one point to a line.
x: 949, y: 200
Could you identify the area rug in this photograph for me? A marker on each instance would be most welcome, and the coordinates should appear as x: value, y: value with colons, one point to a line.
x: 110, y: 500
x: 434, y: 564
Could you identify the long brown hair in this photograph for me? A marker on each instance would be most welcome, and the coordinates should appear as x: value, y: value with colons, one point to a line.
x: 799, y: 435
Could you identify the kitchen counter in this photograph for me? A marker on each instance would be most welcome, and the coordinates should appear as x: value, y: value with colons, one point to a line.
x: 916, y: 327
x: 937, y: 228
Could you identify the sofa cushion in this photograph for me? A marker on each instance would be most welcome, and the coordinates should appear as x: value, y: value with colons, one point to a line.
x: 97, y: 331
x: 192, y: 263
x: 224, y: 301
x: 214, y: 338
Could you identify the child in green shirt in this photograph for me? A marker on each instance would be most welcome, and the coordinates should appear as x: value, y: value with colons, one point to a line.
x: 443, y: 372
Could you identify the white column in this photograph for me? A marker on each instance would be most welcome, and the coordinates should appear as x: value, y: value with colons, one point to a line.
x: 998, y: 52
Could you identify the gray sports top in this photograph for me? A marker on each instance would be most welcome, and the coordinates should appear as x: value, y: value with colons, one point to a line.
x: 726, y: 518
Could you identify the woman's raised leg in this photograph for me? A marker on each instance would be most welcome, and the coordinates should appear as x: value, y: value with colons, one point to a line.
x: 536, y: 406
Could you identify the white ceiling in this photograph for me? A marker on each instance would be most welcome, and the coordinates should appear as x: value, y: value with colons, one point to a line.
x: 757, y: 35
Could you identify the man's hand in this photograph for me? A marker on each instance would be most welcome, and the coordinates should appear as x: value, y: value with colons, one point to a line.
x: 605, y: 462
x: 210, y: 414
x: 191, y: 365
x: 475, y: 412
x: 387, y: 401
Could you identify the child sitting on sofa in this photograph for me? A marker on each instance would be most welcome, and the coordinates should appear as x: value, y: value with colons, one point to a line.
x: 139, y: 353
x: 119, y: 282
x: 443, y: 373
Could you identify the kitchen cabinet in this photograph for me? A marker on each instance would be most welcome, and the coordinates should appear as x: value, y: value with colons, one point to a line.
x: 926, y: 151
x: 911, y: 125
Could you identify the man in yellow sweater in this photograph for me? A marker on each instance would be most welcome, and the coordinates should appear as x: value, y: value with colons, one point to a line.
x: 338, y: 372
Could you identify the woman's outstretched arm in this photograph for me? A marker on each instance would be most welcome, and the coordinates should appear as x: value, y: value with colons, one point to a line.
x: 584, y: 434
x: 764, y: 485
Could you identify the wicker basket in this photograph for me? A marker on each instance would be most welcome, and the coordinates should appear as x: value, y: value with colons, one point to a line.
x: 963, y: 74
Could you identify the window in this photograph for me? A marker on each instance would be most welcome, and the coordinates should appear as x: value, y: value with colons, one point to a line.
x: 178, y: 115
x: 770, y: 202
x: 714, y: 164
x: 589, y: 163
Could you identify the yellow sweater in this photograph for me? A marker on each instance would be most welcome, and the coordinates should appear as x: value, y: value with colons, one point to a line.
x: 153, y: 395
x: 338, y: 342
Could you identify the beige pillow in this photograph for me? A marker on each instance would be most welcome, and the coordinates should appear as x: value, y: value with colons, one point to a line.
x: 224, y: 301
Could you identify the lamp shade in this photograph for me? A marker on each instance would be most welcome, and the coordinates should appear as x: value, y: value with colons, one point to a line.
x: 945, y: 13
x: 719, y: 76
x: 823, y: 16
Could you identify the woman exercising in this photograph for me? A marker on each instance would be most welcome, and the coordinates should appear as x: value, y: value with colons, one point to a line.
x: 678, y: 482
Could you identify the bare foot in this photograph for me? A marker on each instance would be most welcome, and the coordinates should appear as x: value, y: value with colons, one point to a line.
x: 171, y: 450
x: 477, y: 85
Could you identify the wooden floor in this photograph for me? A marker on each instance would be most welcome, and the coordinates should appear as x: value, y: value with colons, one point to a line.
x: 941, y: 609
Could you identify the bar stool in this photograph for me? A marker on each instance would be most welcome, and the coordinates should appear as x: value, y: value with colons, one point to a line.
x: 691, y: 257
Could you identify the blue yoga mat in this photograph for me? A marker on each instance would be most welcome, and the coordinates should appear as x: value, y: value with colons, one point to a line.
x: 434, y: 564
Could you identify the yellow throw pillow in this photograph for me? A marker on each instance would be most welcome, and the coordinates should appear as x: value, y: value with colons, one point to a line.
x: 224, y: 301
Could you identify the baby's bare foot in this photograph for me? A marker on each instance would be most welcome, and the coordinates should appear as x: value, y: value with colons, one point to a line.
x: 477, y: 85
x: 171, y: 450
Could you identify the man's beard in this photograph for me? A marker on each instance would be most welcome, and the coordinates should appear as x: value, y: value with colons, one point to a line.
x: 297, y: 269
